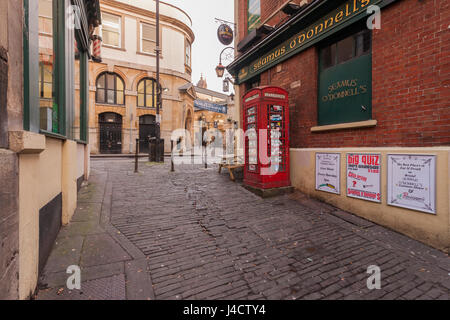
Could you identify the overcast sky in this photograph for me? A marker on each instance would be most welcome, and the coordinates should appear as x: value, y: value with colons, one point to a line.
x: 206, y: 48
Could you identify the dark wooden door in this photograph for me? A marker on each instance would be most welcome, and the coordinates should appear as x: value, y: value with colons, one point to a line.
x: 147, y: 129
x: 110, y: 133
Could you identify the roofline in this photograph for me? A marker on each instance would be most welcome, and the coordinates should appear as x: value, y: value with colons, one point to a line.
x: 217, y: 94
x: 295, y: 18
x: 152, y: 14
x: 171, y: 5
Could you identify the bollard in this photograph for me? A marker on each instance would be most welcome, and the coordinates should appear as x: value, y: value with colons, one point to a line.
x: 136, y: 165
x: 149, y: 150
x: 172, y: 168
x: 206, y: 157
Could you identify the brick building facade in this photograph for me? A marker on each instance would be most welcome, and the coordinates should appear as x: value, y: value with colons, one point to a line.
x: 391, y: 97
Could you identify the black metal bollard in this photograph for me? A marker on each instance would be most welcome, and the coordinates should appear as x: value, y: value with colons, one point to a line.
x: 136, y: 162
x: 172, y: 167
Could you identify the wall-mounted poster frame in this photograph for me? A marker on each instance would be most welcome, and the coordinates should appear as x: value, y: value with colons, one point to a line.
x: 328, y: 172
x: 363, y: 176
x: 411, y: 182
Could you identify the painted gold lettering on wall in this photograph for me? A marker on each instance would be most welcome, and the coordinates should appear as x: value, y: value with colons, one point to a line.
x: 345, y: 88
x: 300, y: 41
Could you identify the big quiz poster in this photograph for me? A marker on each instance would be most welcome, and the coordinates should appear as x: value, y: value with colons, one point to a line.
x: 364, y: 176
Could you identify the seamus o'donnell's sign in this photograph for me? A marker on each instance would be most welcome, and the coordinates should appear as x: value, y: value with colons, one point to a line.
x: 307, y: 37
x: 209, y: 106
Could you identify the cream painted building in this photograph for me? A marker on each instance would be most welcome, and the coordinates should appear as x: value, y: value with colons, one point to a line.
x: 123, y: 86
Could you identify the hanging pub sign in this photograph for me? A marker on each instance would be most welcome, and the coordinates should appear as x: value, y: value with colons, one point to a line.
x: 225, y: 34
x: 412, y: 182
x: 364, y: 176
x: 328, y: 177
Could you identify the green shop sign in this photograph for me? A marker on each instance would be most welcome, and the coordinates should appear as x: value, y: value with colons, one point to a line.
x: 345, y: 14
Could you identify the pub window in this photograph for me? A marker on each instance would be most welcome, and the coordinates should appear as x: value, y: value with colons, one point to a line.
x: 110, y: 89
x: 76, y: 123
x: 148, y: 38
x: 345, y: 79
x: 147, y: 93
x: 48, y: 104
x: 253, y: 14
x: 111, y: 30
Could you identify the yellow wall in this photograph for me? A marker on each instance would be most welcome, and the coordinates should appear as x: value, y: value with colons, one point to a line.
x: 43, y: 176
x: 428, y: 228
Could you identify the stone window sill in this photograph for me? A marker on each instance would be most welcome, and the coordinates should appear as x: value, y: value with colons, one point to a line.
x: 341, y: 126
x: 26, y: 142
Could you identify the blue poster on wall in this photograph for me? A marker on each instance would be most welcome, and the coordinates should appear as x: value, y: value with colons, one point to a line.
x: 209, y: 106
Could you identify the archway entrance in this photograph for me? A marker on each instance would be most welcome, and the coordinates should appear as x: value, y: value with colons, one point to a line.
x: 147, y: 129
x: 110, y: 125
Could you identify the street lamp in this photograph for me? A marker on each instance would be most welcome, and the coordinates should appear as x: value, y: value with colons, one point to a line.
x: 158, y: 96
x: 220, y: 69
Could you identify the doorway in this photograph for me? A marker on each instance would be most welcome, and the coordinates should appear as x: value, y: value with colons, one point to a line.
x: 110, y: 124
x: 147, y: 129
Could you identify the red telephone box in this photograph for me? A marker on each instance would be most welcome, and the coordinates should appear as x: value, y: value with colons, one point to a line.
x: 266, y: 125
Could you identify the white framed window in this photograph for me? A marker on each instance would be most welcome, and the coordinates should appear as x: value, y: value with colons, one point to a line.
x: 148, y: 38
x: 111, y: 30
x: 188, y: 50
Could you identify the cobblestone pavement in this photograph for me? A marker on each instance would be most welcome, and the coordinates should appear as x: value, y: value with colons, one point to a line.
x: 194, y: 234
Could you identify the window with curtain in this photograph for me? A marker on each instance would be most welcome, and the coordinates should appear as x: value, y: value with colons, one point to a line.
x: 148, y: 38
x: 110, y: 89
x: 147, y: 91
x: 112, y: 29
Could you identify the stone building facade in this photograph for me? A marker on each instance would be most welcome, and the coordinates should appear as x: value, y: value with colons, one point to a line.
x: 123, y: 86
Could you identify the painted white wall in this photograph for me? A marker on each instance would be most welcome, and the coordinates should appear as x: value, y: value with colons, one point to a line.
x: 173, y: 46
x: 164, y: 9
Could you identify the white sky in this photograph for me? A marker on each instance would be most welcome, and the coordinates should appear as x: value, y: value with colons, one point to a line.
x: 206, y: 48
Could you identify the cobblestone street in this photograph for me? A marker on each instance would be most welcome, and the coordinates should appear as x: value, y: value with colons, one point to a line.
x: 194, y: 234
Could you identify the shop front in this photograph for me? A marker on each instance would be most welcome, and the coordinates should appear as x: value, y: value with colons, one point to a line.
x: 368, y: 118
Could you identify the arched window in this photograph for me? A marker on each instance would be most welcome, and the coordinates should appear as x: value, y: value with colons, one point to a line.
x: 147, y: 93
x: 110, y: 89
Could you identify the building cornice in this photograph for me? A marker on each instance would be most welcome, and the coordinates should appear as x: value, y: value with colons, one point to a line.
x: 151, y: 15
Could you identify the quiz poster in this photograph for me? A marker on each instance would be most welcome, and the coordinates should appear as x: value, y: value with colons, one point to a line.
x: 364, y: 176
x: 328, y: 172
x: 412, y: 182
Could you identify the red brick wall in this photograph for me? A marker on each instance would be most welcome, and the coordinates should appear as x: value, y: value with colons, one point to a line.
x: 410, y: 83
x: 267, y: 8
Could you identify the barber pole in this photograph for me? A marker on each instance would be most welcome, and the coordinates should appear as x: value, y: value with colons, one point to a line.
x: 77, y: 52
x: 97, y: 48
